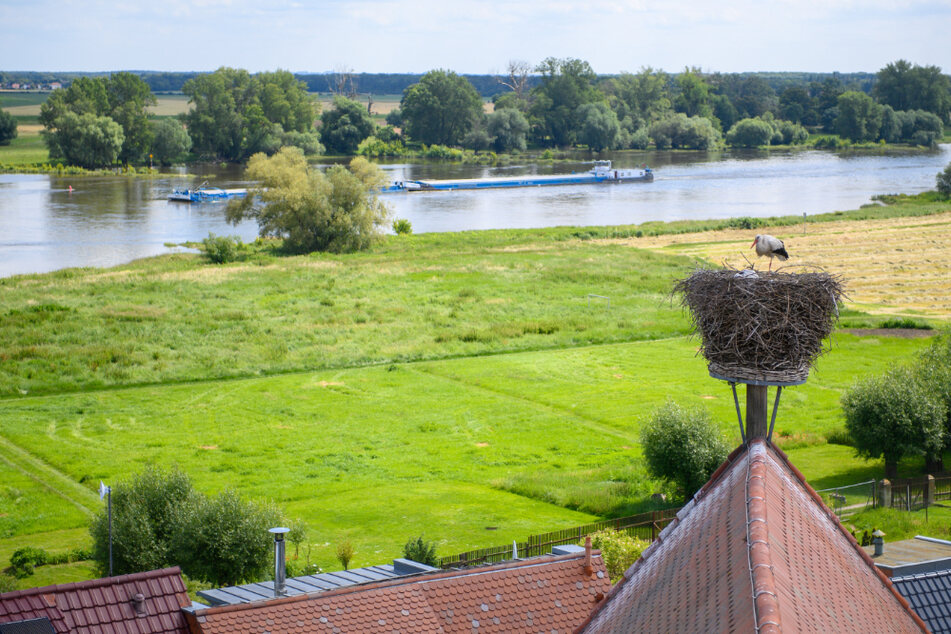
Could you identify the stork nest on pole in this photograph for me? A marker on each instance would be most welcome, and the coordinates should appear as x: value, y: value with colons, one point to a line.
x: 761, y: 327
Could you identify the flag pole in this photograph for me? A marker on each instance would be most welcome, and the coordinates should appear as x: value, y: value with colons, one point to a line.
x: 105, y: 491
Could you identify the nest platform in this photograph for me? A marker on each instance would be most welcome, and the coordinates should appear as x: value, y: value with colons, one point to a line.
x: 761, y: 328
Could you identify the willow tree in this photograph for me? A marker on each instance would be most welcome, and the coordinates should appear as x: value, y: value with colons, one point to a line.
x: 337, y: 210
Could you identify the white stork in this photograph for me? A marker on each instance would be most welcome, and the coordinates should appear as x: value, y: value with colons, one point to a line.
x: 770, y: 246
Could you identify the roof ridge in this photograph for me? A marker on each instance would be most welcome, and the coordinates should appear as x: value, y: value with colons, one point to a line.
x: 423, y: 577
x: 173, y: 571
x: 766, y: 615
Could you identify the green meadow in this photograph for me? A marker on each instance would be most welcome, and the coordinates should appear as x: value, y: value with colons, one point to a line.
x: 467, y: 387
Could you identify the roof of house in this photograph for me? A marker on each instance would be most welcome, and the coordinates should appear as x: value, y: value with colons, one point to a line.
x: 756, y: 549
x: 912, y: 556
x: 306, y: 584
x: 105, y: 605
x: 550, y: 593
x: 930, y: 597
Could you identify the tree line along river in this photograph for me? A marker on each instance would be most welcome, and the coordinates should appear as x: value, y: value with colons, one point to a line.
x: 104, y: 221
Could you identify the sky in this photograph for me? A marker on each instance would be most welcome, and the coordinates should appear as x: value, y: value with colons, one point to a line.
x: 472, y: 36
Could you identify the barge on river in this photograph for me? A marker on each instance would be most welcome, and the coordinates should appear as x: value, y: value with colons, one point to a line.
x: 602, y: 172
x: 206, y: 194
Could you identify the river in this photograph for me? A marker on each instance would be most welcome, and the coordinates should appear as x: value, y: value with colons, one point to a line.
x: 52, y: 222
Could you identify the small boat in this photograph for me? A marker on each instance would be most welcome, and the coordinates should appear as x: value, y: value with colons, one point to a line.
x: 602, y: 172
x: 205, y: 194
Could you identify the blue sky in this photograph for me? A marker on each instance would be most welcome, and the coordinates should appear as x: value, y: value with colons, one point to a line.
x: 472, y: 36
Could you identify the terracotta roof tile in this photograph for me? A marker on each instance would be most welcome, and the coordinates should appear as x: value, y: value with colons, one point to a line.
x: 755, y: 550
x: 102, y: 606
x: 550, y: 593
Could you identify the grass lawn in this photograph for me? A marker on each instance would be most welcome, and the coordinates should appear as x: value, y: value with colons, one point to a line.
x: 525, y: 442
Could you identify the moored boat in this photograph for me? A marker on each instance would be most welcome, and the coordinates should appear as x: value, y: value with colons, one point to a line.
x: 602, y: 172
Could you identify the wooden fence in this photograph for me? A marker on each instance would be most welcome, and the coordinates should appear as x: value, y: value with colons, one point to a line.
x: 643, y: 526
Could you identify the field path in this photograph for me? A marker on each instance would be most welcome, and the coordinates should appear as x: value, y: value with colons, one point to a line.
x: 48, y: 477
x: 890, y: 266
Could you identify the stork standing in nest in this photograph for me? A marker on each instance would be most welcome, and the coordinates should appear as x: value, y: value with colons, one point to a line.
x: 770, y: 246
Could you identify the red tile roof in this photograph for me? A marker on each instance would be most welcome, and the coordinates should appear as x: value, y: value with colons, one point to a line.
x: 105, y: 605
x: 756, y: 550
x: 551, y: 594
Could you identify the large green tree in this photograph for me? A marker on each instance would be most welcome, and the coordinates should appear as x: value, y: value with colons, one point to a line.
x: 337, y: 210
x: 345, y: 126
x: 122, y: 97
x: 693, y: 94
x: 859, y: 117
x: 566, y: 84
x: 85, y: 140
x: 598, y: 126
x: 508, y: 128
x: 170, y: 141
x: 643, y: 97
x: 904, y: 86
x: 235, y: 115
x: 441, y: 109
x: 894, y: 415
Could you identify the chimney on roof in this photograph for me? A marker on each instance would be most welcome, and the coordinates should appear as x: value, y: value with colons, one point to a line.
x: 280, y: 570
x: 588, y: 567
x: 138, y: 603
x: 879, y: 542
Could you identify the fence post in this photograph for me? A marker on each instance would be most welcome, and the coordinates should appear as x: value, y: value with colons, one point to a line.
x: 929, y: 491
x: 908, y: 497
x: 885, y: 494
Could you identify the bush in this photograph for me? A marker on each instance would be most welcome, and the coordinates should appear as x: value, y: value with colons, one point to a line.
x: 337, y: 210
x: 402, y: 226
x: 943, y: 180
x: 421, y: 551
x: 618, y: 550
x: 307, y: 142
x: 345, y: 553
x: 8, y: 128
x: 146, y: 512
x: 24, y: 559
x: 225, y: 539
x: 221, y: 249
x: 170, y: 142
x: 8, y: 583
x: 750, y: 133
x: 159, y: 520
x: 894, y: 415
x: 683, y: 446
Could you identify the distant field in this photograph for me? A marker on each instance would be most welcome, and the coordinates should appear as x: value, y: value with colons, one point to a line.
x: 892, y: 265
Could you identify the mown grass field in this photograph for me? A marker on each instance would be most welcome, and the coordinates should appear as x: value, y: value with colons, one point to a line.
x: 440, y: 384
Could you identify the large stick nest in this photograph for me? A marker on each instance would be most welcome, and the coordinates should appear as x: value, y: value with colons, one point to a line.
x: 761, y: 326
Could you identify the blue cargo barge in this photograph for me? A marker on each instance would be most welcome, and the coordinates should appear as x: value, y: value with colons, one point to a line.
x: 602, y: 172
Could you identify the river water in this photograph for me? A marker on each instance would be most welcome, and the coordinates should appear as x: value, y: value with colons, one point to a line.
x: 51, y: 222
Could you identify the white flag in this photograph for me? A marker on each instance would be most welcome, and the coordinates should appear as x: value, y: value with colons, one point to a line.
x: 103, y: 489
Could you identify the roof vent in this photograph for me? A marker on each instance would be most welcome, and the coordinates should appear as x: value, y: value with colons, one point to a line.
x: 138, y: 603
x: 879, y: 542
x: 280, y: 571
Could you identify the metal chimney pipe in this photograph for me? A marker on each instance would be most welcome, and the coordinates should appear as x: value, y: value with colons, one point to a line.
x: 280, y: 571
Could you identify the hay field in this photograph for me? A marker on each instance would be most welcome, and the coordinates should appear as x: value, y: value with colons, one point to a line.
x: 891, y: 266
